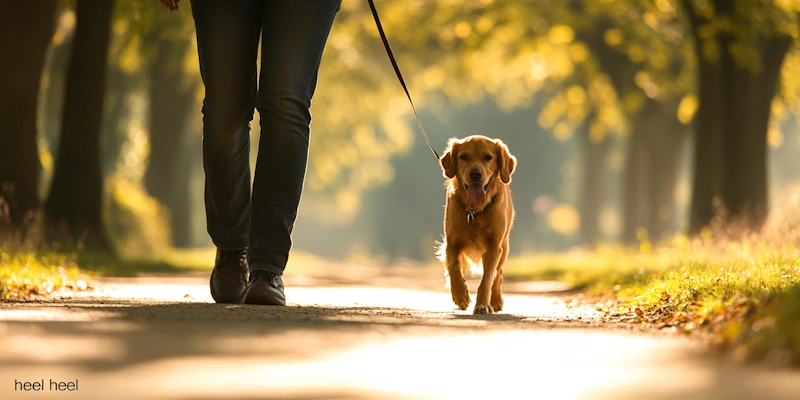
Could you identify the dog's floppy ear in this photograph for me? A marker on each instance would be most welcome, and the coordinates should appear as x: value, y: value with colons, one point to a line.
x: 449, y: 160
x: 506, y: 160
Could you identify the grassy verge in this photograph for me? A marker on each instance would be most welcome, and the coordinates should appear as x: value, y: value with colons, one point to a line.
x: 746, y: 293
x: 24, y: 274
x: 171, y: 261
x: 179, y: 261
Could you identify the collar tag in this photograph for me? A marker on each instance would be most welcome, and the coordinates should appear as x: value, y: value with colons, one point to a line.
x: 470, y: 217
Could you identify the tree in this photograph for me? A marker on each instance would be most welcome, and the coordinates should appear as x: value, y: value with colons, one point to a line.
x: 74, y: 204
x: 172, y: 97
x: 650, y: 94
x: 593, y: 183
x: 741, y: 47
x: 639, y: 53
x: 25, y: 32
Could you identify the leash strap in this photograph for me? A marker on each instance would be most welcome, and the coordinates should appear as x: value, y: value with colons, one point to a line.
x: 399, y: 75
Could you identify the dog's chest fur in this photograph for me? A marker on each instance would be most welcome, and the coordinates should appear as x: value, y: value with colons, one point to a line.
x: 481, y: 231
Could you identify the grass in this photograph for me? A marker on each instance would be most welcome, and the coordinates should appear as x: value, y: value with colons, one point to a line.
x: 746, y: 293
x: 24, y: 274
x: 172, y: 261
x: 178, y: 261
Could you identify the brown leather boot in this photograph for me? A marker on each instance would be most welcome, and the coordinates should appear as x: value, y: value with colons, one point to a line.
x: 229, y: 276
x: 266, y: 289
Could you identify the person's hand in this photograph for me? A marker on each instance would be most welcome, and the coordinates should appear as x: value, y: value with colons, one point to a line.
x: 171, y: 4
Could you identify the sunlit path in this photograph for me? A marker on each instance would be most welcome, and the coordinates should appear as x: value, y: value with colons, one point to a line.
x: 153, y: 338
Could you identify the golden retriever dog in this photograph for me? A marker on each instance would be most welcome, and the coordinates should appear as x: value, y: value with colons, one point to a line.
x: 478, y: 217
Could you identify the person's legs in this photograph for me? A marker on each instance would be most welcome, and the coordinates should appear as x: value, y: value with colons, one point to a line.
x: 294, y: 35
x: 227, y: 43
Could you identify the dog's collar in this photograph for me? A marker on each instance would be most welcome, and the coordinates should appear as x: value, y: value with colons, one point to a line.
x: 471, y: 209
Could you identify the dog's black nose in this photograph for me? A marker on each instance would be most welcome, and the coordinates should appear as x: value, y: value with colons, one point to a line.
x: 475, y: 174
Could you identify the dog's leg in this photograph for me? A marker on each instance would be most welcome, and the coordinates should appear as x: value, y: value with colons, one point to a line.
x: 490, y: 259
x: 497, y: 296
x: 458, y: 285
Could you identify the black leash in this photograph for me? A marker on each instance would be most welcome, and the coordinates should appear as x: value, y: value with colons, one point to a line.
x: 399, y: 75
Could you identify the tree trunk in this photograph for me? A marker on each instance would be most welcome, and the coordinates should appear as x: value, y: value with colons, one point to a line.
x: 26, y: 28
x: 621, y: 73
x: 594, y: 181
x: 74, y: 206
x: 654, y: 147
x: 666, y: 143
x: 707, y: 165
x: 651, y: 171
x: 52, y: 104
x: 633, y: 215
x: 747, y: 106
x: 170, y: 103
x: 732, y: 122
x: 180, y: 208
x: 708, y: 152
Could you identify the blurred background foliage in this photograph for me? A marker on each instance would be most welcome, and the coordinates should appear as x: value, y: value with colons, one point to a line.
x: 611, y: 107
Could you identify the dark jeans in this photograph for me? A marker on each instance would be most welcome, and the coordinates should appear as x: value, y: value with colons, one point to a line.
x: 293, y: 34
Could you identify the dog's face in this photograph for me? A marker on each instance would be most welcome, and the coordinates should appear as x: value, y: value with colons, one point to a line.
x: 478, y: 162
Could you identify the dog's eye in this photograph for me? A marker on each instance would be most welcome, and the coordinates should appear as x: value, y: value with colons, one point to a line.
x: 463, y: 157
x: 487, y: 157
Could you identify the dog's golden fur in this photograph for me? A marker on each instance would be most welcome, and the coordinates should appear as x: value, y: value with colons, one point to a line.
x: 485, y: 236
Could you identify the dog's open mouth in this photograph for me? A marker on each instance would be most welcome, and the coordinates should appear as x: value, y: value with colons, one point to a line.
x: 476, y: 192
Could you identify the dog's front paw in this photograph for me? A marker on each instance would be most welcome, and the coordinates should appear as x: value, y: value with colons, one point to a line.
x: 460, y: 296
x: 497, y: 304
x: 483, y: 309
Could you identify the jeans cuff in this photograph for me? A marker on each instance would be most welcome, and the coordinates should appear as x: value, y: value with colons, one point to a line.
x: 266, y: 268
x: 231, y: 243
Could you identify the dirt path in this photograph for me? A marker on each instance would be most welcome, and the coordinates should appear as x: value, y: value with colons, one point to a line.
x: 398, y: 337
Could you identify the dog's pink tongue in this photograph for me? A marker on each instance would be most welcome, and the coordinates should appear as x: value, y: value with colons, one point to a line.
x: 475, y: 193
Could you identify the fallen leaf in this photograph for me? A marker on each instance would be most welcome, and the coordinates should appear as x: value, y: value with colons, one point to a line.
x: 639, y: 312
x: 665, y: 296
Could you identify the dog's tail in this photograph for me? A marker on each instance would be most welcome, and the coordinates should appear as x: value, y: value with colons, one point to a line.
x: 475, y: 266
x: 441, y: 255
x: 441, y: 249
